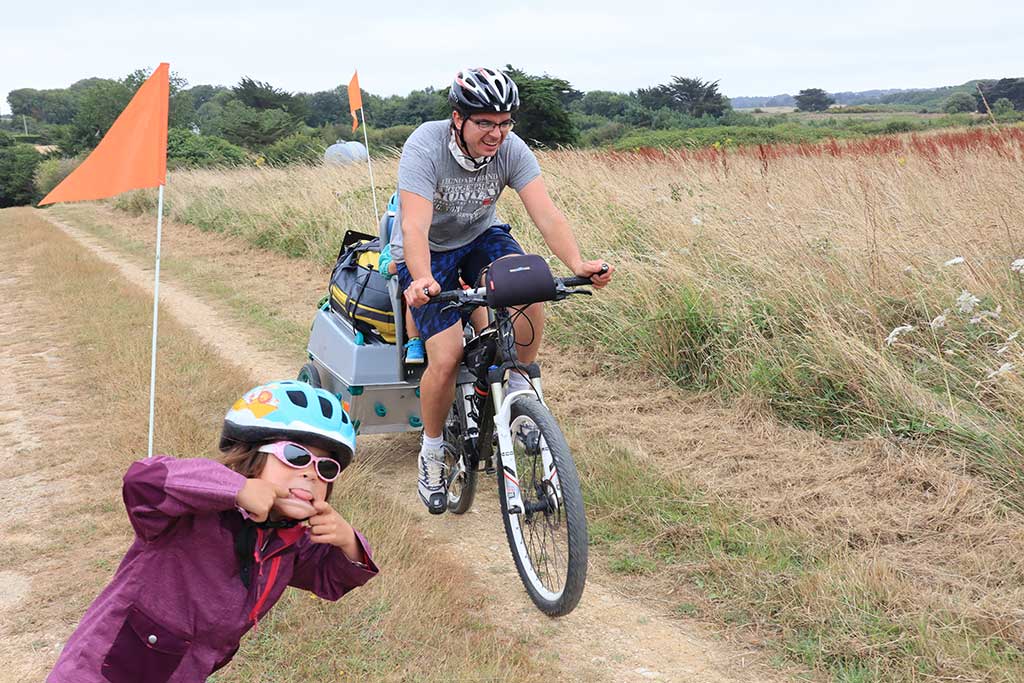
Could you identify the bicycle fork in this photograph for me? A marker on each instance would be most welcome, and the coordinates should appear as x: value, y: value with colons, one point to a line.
x: 503, y: 429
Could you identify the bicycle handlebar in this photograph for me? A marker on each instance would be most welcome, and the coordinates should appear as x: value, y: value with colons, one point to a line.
x: 465, y: 296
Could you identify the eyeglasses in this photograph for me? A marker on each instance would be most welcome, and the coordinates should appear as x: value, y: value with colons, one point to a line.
x: 487, y: 126
x: 298, y: 457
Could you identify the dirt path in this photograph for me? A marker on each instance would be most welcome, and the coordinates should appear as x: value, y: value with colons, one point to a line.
x: 609, y: 637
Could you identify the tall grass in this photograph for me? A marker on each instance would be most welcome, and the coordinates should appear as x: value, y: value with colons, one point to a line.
x: 851, y: 288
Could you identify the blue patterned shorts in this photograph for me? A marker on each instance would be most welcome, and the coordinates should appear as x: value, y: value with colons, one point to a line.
x: 447, y: 267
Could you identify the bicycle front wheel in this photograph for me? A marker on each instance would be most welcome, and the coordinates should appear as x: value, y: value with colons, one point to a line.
x: 549, y: 538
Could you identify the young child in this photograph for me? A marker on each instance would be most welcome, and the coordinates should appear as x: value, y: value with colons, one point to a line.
x: 415, y: 351
x: 217, y: 543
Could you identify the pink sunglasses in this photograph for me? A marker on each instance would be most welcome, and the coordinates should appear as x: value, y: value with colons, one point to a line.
x: 298, y: 457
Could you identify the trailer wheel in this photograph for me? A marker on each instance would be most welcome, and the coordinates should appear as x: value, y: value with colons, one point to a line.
x: 310, y: 375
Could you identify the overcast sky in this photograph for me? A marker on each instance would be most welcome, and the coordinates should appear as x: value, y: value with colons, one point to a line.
x: 750, y: 47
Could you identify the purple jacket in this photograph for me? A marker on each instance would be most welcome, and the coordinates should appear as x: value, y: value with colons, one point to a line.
x: 177, y: 607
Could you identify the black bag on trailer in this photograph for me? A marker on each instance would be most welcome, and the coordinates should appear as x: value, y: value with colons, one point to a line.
x: 359, y: 292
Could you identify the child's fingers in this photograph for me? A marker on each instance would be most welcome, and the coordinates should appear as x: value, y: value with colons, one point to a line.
x: 321, y: 527
x: 281, y: 491
x: 321, y: 505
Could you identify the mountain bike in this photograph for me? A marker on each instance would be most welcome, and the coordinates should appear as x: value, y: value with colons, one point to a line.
x: 514, y: 436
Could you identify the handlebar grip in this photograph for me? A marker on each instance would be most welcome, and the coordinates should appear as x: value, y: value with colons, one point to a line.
x: 576, y: 281
x: 446, y: 297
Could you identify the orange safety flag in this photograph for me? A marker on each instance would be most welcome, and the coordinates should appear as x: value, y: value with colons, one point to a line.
x: 133, y: 153
x: 355, y: 99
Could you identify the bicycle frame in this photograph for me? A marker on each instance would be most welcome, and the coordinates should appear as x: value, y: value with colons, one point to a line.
x: 505, y: 358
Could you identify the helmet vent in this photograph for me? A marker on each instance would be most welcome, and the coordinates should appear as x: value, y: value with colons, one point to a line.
x: 326, y: 408
x: 299, y: 398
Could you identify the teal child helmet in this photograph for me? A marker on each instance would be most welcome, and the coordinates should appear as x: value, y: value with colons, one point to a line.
x: 291, y: 410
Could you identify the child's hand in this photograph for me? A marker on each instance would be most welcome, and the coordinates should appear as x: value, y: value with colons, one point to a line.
x: 327, y: 526
x: 258, y: 496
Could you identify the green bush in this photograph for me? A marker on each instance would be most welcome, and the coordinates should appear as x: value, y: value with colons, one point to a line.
x: 17, y: 166
x: 188, y: 150
x: 50, y: 172
x: 1002, y: 107
x: 604, y: 135
x: 384, y: 139
x: 960, y: 102
x: 299, y: 148
x: 900, y: 126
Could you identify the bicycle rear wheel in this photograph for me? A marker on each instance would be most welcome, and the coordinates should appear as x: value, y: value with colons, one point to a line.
x: 460, y: 475
x: 549, y: 538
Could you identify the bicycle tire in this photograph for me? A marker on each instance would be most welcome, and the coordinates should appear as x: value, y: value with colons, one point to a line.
x: 563, y: 520
x: 460, y: 482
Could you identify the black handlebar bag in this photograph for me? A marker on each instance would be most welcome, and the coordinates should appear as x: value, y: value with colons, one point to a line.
x: 517, y: 280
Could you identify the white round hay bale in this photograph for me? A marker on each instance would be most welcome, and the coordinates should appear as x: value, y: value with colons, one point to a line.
x: 345, y: 153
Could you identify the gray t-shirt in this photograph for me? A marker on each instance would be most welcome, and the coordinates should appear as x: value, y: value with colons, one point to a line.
x: 463, y: 200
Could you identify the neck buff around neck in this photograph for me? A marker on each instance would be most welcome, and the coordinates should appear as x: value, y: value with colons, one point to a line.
x: 464, y: 160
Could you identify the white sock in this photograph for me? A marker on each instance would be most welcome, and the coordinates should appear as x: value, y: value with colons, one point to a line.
x: 517, y: 382
x: 431, y: 442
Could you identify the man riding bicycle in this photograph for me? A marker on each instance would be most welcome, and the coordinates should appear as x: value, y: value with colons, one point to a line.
x: 450, y: 176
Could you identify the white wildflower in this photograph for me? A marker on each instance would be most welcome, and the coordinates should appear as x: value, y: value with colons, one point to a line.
x: 895, y: 334
x: 1001, y: 370
x: 1012, y: 336
x: 955, y: 261
x: 967, y: 301
x: 938, y: 322
x: 1017, y: 266
x: 696, y: 220
x: 909, y: 270
x: 993, y: 315
x: 987, y: 314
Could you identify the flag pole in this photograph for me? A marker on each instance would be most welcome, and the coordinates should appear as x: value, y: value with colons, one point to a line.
x: 373, y: 187
x: 156, y: 300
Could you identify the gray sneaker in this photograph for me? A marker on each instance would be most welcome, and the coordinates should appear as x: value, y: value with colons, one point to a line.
x: 431, y: 483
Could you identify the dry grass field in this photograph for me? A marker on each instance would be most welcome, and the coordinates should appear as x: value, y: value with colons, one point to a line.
x: 806, y: 420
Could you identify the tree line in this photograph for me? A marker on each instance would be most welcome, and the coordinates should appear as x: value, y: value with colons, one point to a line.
x: 256, y: 122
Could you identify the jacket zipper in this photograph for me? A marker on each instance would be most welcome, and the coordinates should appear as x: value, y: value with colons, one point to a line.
x: 254, y: 615
x: 261, y: 545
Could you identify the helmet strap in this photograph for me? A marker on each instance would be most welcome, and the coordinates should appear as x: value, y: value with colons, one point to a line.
x: 460, y: 150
